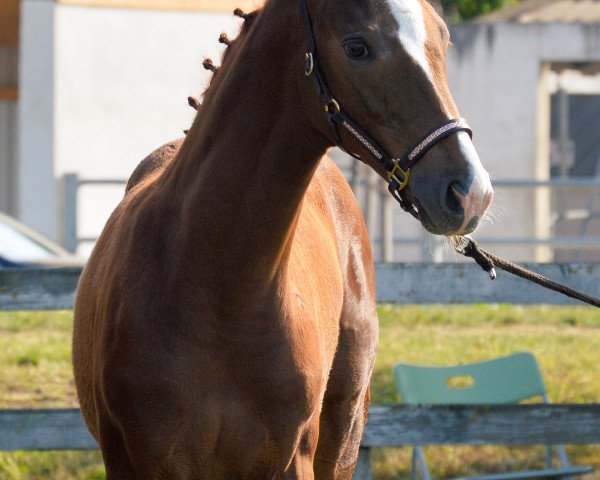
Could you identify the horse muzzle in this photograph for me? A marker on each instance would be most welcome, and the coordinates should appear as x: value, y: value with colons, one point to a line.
x: 452, y: 190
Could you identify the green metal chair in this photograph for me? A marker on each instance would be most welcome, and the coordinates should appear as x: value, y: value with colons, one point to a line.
x: 509, y: 379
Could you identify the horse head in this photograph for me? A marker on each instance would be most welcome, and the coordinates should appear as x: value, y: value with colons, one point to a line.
x: 384, y: 64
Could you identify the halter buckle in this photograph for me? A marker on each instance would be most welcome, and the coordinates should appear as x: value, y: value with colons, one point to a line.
x: 309, y: 64
x: 332, y: 103
x: 404, y: 176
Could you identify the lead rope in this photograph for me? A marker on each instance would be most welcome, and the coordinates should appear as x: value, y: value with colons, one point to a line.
x: 487, y: 261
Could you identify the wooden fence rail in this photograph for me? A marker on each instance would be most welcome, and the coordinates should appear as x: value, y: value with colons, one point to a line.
x: 397, y: 425
x: 389, y: 426
x: 54, y: 289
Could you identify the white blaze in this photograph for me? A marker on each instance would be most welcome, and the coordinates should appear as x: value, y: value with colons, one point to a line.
x: 481, y: 179
x: 411, y: 30
x: 412, y: 34
x: 480, y: 194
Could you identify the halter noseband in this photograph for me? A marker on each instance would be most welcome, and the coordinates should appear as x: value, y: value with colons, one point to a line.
x: 398, y: 170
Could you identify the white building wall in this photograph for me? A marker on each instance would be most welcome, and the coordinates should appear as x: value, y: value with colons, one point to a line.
x: 36, y: 190
x: 123, y: 78
x: 495, y: 72
x: 101, y: 88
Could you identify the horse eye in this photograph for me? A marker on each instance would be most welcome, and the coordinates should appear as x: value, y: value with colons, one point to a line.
x: 356, y: 50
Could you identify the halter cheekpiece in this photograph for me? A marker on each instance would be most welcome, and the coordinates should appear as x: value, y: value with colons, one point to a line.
x: 398, y: 169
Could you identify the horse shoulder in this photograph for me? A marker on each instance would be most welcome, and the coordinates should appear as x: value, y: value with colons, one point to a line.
x: 331, y: 260
x: 346, y: 220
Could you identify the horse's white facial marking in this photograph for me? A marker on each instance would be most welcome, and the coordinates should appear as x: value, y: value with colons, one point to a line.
x: 480, y: 194
x: 481, y: 179
x: 411, y: 30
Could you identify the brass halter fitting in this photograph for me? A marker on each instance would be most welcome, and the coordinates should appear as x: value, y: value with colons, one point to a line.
x: 404, y: 176
x: 309, y: 64
x: 333, y: 105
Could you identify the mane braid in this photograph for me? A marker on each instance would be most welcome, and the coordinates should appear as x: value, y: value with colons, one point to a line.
x: 209, y: 65
x: 249, y: 19
x: 194, y: 103
x: 164, y: 155
x: 239, y: 13
x: 223, y: 39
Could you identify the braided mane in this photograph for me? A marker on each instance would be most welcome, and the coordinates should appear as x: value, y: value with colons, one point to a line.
x: 232, y: 47
x: 162, y: 156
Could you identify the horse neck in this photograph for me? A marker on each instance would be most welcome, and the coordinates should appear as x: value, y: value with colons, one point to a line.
x: 248, y: 160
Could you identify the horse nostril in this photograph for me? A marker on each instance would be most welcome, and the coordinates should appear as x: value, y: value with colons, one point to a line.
x: 454, y: 199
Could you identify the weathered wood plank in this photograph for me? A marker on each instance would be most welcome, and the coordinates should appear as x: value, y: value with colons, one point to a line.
x: 393, y: 425
x: 363, y: 470
x: 53, y: 289
x: 38, y: 289
x: 54, y: 429
x: 478, y: 425
x: 467, y: 283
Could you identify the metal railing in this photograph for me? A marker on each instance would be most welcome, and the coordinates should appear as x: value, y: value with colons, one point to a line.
x: 379, y: 211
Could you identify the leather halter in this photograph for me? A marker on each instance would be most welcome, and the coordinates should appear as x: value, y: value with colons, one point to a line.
x: 398, y: 170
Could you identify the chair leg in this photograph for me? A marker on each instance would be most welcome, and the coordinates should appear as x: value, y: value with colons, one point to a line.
x: 562, y: 454
x: 413, y: 464
x: 419, y: 458
x: 564, y: 460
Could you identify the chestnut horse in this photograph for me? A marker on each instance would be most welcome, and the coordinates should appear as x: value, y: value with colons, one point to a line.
x: 225, y: 324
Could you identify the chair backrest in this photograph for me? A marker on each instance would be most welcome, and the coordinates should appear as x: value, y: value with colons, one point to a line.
x: 507, y: 379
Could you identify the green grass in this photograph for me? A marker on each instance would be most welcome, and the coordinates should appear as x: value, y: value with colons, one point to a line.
x: 35, y: 360
x: 35, y: 371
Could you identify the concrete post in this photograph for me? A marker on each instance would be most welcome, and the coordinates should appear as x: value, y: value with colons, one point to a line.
x: 69, y: 184
x: 36, y: 186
